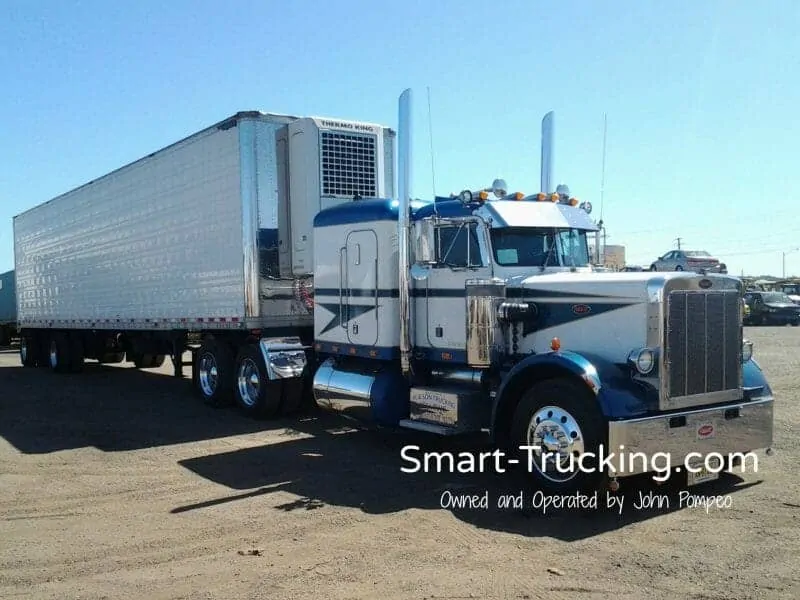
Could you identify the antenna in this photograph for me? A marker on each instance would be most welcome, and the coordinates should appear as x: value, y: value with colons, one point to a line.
x: 430, y: 131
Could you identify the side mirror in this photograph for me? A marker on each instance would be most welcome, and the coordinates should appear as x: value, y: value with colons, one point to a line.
x: 425, y: 243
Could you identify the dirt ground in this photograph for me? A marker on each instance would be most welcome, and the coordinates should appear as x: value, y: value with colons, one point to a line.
x: 118, y: 483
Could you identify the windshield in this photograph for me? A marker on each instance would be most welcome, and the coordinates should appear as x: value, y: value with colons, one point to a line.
x: 777, y: 297
x: 539, y: 247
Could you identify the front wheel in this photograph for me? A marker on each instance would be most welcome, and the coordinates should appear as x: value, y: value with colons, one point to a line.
x: 558, y: 430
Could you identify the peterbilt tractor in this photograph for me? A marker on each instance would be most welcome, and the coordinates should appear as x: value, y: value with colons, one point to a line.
x: 276, y: 249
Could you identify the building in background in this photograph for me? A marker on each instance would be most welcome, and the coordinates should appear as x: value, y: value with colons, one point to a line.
x: 611, y: 256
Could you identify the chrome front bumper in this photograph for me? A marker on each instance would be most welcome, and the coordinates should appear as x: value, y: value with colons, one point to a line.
x: 735, y: 428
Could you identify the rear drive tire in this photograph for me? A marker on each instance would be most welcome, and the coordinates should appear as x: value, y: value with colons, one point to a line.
x: 256, y: 395
x: 215, y: 373
x: 554, y: 412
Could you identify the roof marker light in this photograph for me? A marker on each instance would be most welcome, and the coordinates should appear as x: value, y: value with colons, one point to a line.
x: 541, y: 197
x: 554, y: 198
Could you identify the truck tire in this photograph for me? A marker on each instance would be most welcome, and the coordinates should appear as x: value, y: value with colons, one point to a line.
x: 215, y: 375
x: 76, y: 357
x: 112, y: 358
x: 146, y: 361
x: 551, y: 412
x: 27, y: 351
x: 256, y: 395
x: 59, y: 353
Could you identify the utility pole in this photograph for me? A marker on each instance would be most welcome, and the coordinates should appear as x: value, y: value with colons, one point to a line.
x: 783, y: 260
x: 679, y: 242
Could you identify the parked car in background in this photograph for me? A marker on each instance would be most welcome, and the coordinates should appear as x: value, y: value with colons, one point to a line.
x: 772, y: 308
x: 698, y: 261
x: 791, y: 289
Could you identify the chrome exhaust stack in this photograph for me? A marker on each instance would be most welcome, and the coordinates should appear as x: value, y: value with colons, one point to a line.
x: 404, y: 226
x: 547, y: 154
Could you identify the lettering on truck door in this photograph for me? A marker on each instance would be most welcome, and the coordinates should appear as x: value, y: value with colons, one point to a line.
x: 361, y: 287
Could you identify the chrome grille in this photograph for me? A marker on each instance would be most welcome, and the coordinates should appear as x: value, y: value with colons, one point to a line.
x: 703, y: 342
x: 349, y: 163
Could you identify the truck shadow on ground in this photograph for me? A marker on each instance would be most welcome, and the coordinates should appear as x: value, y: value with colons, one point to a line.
x: 320, y: 458
x: 107, y: 407
x: 362, y: 469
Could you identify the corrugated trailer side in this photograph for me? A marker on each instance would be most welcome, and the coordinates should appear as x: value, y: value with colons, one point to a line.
x: 188, y: 248
x: 155, y: 244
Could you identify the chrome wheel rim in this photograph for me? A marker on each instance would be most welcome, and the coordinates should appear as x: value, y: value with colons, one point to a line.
x: 23, y: 350
x: 248, y: 382
x: 208, y: 374
x: 560, y: 442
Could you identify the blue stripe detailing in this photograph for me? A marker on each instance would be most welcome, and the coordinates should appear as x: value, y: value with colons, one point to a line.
x: 513, y: 292
x: 374, y: 352
x: 363, y: 211
x: 438, y: 355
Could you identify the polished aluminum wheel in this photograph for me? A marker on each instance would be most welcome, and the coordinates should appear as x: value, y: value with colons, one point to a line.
x: 559, y: 439
x: 248, y: 382
x: 207, y: 374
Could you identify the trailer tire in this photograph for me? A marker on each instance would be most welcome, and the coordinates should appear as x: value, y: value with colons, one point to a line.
x: 59, y: 353
x: 27, y: 351
x: 256, y: 395
x: 111, y: 358
x: 146, y: 361
x: 552, y: 411
x: 215, y: 376
x: 76, y: 356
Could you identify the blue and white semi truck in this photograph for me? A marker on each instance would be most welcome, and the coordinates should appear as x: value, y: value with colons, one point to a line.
x: 278, y: 247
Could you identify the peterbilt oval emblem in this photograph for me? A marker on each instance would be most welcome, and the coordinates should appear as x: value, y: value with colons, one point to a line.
x: 705, y: 283
x: 581, y: 309
x: 705, y: 431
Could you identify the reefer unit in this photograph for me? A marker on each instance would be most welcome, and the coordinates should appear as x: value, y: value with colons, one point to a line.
x: 214, y: 231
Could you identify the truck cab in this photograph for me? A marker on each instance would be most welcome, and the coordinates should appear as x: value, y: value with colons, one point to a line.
x: 512, y: 333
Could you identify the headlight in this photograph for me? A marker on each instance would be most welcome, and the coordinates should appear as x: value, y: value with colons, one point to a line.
x: 643, y: 360
x: 747, y: 351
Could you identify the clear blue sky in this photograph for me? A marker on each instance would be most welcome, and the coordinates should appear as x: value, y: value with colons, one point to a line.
x: 701, y: 97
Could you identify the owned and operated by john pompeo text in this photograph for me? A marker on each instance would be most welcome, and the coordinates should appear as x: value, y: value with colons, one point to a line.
x: 544, y: 502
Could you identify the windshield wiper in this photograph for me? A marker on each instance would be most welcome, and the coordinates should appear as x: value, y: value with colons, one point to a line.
x: 549, y: 255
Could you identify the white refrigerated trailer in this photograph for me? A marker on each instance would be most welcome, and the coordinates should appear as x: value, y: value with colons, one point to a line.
x: 206, y: 244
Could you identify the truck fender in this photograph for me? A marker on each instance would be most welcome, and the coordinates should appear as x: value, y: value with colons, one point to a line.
x: 534, y: 368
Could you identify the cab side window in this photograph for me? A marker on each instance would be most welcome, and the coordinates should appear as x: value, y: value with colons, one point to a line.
x: 457, y: 246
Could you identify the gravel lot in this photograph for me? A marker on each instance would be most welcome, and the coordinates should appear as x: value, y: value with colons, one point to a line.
x: 118, y: 483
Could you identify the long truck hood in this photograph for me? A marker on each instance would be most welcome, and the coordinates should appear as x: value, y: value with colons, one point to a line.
x: 605, y: 314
